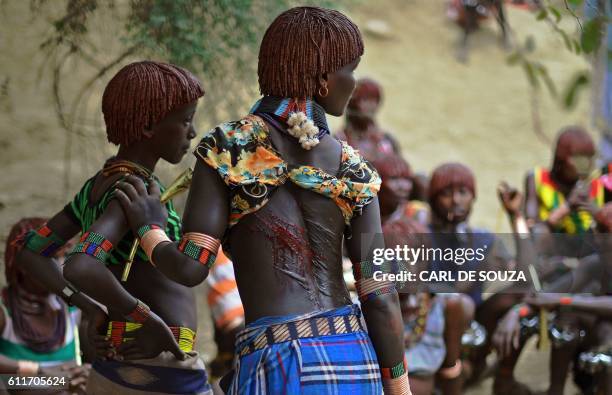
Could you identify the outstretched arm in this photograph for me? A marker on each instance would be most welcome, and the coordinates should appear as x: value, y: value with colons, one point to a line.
x: 381, y: 311
x: 204, y: 223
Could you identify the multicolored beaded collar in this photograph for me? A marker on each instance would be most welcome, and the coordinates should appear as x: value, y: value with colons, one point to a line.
x: 301, y: 114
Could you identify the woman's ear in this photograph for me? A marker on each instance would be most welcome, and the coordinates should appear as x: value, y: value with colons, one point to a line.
x: 323, y: 78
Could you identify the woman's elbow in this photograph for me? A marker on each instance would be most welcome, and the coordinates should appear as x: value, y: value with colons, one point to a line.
x: 75, y: 271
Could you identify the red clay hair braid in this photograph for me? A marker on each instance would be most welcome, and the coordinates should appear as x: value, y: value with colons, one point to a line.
x: 300, y: 45
x: 141, y: 94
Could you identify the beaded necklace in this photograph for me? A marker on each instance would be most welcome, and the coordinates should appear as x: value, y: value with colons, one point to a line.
x: 424, y: 303
x: 114, y: 166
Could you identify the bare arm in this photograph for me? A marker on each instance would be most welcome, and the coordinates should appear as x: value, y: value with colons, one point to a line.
x: 92, y: 277
x: 81, y: 269
x: 382, y: 313
x: 206, y: 212
x: 46, y: 271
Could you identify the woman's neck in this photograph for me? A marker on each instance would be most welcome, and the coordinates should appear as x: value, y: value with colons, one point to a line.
x: 139, y: 154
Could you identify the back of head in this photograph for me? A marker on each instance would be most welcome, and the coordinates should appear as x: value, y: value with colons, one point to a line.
x: 392, y: 166
x: 572, y: 140
x: 143, y: 93
x: 449, y: 175
x: 300, y: 45
x: 366, y: 97
x: 14, y: 243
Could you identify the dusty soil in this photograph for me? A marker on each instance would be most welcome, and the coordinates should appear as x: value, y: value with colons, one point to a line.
x: 441, y: 110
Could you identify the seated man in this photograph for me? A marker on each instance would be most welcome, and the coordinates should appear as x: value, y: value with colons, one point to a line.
x: 452, y: 192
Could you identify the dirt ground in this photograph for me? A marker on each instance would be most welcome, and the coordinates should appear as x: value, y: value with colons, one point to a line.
x: 441, y: 110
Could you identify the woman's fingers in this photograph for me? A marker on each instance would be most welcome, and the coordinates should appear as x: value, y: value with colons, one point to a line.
x: 138, y: 184
x: 128, y: 189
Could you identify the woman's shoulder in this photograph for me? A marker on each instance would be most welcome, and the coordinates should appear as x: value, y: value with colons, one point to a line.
x: 240, y: 132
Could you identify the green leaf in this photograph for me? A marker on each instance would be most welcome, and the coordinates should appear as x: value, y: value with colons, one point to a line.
x: 592, y: 34
x: 550, y: 85
x: 575, y: 3
x: 556, y: 13
x: 542, y: 14
x: 580, y: 81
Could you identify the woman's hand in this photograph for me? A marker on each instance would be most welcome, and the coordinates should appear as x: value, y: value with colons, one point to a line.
x: 96, y: 320
x: 141, y: 204
x: 150, y: 340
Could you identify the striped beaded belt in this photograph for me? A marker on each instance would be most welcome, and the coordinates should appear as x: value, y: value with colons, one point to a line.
x: 119, y: 332
x: 303, y: 329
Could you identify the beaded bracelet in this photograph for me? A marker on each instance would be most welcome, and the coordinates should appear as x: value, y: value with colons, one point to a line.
x: 395, y: 379
x: 43, y: 241
x: 94, y: 245
x: 140, y: 314
x: 367, y: 287
x: 200, y: 247
x: 396, y: 371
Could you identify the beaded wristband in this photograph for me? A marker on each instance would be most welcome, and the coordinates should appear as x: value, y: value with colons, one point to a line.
x: 367, y: 287
x: 201, y: 247
x: 140, y: 314
x: 394, y: 372
x: 150, y: 237
x: 145, y: 228
x: 395, y: 379
x: 43, y: 241
x: 94, y: 245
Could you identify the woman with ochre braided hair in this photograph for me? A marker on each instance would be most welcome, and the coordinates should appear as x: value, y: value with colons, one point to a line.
x: 280, y: 193
x: 38, y: 329
x: 148, y: 110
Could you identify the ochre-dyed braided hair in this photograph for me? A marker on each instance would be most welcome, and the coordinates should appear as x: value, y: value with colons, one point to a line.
x: 570, y: 140
x: 302, y: 44
x: 15, y: 242
x: 143, y: 93
x: 449, y: 175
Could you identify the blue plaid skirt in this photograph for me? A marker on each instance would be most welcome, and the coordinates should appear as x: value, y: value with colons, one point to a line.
x: 327, y: 360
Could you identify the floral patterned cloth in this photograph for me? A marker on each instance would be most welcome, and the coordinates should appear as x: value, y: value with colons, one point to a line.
x: 243, y: 155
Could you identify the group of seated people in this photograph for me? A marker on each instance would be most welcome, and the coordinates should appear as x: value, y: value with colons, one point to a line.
x: 559, y: 227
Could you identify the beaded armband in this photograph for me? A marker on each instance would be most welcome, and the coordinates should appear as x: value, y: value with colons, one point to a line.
x: 94, y: 245
x: 43, y: 241
x: 150, y: 236
x: 201, y: 247
x: 140, y: 314
x: 395, y: 379
x: 370, y: 285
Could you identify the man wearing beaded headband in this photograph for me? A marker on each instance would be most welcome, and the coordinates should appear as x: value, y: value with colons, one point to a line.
x: 280, y: 193
x: 148, y: 110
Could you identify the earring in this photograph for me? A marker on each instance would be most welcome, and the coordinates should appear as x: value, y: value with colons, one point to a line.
x: 325, y: 89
